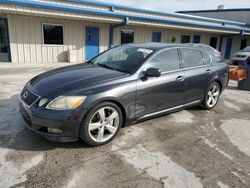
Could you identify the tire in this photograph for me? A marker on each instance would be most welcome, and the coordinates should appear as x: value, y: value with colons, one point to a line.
x: 213, y: 91
x: 98, y: 121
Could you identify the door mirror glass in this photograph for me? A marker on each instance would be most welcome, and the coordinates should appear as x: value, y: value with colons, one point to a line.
x: 152, y: 72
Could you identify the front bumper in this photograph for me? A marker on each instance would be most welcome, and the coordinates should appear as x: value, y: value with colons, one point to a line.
x: 238, y: 61
x: 40, y: 120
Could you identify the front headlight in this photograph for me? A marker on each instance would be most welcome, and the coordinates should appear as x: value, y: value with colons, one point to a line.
x: 66, y: 102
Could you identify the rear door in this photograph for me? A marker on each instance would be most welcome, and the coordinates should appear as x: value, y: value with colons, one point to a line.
x: 198, y: 73
x: 155, y: 94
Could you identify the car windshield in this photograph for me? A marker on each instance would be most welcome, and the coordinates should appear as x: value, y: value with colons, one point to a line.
x: 247, y: 49
x: 123, y: 58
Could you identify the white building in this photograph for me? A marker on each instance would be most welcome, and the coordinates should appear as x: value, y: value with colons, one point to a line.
x: 44, y: 30
x: 238, y: 15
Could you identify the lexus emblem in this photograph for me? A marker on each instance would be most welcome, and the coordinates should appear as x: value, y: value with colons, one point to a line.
x: 25, y: 95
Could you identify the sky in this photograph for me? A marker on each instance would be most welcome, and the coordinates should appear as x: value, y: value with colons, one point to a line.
x: 178, y: 5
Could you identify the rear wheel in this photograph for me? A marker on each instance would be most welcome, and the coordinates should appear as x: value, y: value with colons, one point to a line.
x: 212, y: 96
x: 101, y: 124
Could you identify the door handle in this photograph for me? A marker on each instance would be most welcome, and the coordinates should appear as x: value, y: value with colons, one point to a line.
x: 180, y: 78
x: 208, y: 71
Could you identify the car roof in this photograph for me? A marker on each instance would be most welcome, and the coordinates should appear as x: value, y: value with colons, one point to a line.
x: 156, y: 46
x: 200, y: 44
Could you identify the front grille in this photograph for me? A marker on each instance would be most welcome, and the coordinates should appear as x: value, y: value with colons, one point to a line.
x: 28, y: 97
x: 241, y: 56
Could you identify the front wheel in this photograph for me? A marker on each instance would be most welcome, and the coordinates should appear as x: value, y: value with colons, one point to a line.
x: 212, y: 96
x: 101, y: 124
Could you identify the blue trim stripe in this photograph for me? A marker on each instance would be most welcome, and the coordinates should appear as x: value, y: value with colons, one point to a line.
x: 216, y: 10
x: 42, y: 5
x: 104, y: 4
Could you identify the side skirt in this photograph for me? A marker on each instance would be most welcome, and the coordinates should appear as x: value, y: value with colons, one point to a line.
x: 169, y: 110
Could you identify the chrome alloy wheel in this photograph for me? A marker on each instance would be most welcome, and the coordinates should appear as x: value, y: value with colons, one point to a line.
x: 213, y: 96
x: 103, y: 124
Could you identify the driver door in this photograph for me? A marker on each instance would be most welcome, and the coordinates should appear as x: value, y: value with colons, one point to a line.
x: 156, y: 94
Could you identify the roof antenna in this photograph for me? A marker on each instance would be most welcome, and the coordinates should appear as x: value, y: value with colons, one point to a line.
x: 220, y: 7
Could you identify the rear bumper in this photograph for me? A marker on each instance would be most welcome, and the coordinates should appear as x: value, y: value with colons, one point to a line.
x: 40, y: 120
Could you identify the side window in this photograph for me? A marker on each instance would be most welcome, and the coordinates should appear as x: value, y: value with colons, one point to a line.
x: 167, y: 60
x: 191, y: 58
x: 207, y: 59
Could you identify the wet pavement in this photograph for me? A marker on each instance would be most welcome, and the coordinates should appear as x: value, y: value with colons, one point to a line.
x: 191, y: 148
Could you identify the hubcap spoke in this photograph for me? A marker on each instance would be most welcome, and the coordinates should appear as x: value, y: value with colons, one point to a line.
x: 110, y: 128
x: 216, y: 93
x: 112, y: 116
x: 213, y: 96
x: 102, y: 114
x: 94, y: 126
x: 213, y: 89
x: 213, y: 100
x: 104, y: 124
x: 100, y: 134
x: 209, y: 100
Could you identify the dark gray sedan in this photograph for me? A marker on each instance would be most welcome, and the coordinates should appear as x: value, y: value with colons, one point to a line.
x: 122, y: 86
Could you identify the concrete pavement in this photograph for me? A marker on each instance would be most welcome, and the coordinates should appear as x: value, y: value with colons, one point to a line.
x: 192, y: 148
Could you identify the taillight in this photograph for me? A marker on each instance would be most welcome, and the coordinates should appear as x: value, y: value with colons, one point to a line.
x: 248, y: 60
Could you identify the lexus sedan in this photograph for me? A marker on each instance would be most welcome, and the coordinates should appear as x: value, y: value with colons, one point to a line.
x: 121, y: 86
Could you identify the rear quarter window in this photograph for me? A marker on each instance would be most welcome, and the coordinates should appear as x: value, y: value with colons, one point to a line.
x: 207, y: 59
x: 191, y: 58
x: 216, y: 59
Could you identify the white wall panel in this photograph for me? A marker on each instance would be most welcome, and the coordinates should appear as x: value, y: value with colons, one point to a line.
x: 26, y: 39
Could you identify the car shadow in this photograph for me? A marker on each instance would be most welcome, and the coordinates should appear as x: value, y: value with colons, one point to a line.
x: 14, y: 135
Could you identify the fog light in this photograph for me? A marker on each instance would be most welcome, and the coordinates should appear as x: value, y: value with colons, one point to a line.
x: 56, y: 131
x: 42, y: 102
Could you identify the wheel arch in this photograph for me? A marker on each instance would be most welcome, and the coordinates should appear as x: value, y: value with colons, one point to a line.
x: 116, y: 102
x: 218, y: 81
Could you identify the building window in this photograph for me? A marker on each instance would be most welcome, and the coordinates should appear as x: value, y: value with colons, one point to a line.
x: 53, y: 34
x: 127, y: 36
x: 185, y: 38
x: 243, y: 44
x: 213, y: 42
x: 3, y: 42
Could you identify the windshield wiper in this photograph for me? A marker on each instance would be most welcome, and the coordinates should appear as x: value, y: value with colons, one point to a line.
x: 105, y: 66
x: 108, y: 67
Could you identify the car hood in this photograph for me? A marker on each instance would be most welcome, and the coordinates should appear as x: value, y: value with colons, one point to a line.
x: 70, y: 79
x: 243, y: 53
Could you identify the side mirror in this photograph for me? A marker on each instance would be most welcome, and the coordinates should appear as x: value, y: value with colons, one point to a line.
x: 152, y: 72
